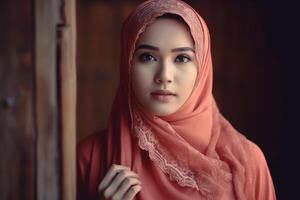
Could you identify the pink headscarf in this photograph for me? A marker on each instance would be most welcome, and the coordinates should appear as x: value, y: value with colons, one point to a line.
x: 169, y: 141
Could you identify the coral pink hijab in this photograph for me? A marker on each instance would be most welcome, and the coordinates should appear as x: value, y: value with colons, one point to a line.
x: 163, y: 150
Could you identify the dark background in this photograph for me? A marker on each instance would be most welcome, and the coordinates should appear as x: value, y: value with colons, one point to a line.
x: 251, y: 49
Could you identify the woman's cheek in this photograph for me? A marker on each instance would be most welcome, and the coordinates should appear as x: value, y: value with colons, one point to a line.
x: 146, y: 74
x: 142, y: 79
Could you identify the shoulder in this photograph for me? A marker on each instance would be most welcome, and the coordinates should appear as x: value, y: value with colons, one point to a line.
x: 260, y: 164
x: 240, y: 145
x: 255, y: 153
x: 91, y: 143
x: 93, y: 139
x: 246, y: 151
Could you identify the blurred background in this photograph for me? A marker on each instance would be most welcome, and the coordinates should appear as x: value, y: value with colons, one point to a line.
x: 247, y: 57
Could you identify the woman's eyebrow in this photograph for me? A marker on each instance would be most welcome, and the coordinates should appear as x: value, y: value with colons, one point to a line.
x: 147, y: 46
x: 183, y: 49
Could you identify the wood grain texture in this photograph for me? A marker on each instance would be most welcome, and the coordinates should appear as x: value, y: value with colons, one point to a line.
x: 37, y: 106
x: 67, y: 65
x: 47, y: 110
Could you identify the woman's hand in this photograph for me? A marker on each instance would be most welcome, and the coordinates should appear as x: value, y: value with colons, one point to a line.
x: 120, y: 183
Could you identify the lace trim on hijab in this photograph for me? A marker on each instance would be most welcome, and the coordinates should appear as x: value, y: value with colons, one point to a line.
x: 157, y: 153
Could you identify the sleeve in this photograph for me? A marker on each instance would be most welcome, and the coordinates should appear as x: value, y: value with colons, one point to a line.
x: 264, y: 188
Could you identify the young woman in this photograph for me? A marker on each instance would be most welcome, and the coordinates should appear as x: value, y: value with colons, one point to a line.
x: 166, y: 138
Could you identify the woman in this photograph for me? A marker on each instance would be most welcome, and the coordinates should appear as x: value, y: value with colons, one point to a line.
x: 166, y: 138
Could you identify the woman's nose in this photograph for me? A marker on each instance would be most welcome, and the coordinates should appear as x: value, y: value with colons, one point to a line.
x: 164, y: 73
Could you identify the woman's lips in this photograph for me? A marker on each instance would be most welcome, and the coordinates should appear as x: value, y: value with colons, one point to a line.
x: 162, y: 95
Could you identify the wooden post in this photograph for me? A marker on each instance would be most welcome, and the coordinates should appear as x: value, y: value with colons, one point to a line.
x: 56, y: 54
x: 47, y: 107
x: 68, y: 99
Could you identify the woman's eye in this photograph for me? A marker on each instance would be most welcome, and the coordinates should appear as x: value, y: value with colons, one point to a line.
x: 182, y: 59
x: 146, y: 57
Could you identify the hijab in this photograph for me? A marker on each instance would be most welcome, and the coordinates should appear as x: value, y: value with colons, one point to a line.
x: 134, y: 133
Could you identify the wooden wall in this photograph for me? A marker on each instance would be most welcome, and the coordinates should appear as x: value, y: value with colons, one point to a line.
x: 37, y: 99
x: 246, y: 66
x: 17, y: 132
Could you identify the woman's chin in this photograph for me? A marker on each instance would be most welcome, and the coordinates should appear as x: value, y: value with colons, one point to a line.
x: 162, y: 112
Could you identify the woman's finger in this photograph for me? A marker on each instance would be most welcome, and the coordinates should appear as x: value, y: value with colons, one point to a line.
x: 125, y: 186
x: 114, y: 169
x: 116, y: 182
x: 130, y: 194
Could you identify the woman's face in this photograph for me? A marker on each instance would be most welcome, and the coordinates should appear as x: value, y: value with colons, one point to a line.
x: 164, y: 67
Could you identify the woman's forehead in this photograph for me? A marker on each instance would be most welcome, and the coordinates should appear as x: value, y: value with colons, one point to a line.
x: 167, y: 32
